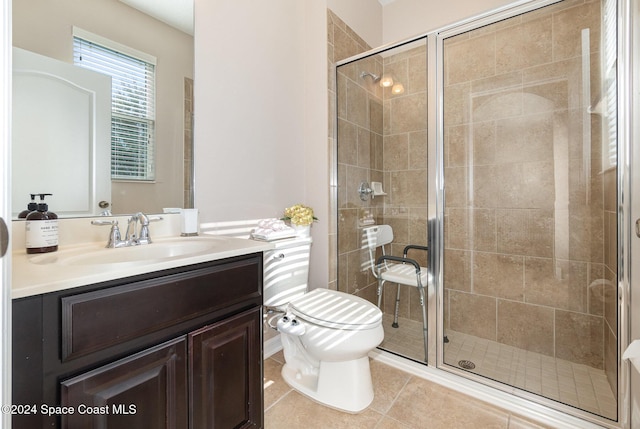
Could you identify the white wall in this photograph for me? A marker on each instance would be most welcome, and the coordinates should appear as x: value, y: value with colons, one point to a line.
x: 403, y: 19
x: 261, y: 103
x: 261, y: 113
x: 365, y: 17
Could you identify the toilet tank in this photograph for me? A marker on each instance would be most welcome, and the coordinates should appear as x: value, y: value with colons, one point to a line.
x: 286, y: 271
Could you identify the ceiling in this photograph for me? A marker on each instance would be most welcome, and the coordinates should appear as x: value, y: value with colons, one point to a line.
x: 176, y: 13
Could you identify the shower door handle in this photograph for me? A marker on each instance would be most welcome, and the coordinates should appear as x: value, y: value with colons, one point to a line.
x: 638, y: 227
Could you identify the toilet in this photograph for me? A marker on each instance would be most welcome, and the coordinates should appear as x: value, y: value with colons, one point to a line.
x: 326, y: 335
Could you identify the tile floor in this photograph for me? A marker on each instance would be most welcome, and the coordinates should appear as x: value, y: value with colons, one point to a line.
x: 574, y: 384
x: 402, y: 401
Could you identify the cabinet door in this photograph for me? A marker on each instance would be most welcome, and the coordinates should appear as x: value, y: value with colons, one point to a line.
x: 145, y: 390
x: 226, y: 373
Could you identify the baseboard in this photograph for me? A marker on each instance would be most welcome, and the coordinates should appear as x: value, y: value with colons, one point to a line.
x: 272, y: 346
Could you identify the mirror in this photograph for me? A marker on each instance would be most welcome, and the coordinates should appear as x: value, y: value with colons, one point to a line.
x: 45, y: 28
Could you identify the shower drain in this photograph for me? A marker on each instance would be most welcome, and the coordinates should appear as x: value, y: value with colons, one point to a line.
x: 466, y: 364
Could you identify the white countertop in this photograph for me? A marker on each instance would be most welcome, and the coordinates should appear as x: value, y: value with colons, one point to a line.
x: 49, y: 272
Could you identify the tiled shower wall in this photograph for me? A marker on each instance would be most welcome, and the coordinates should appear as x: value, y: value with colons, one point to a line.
x: 530, y: 239
x: 518, y: 269
x: 382, y: 138
x: 342, y: 43
x: 404, y: 165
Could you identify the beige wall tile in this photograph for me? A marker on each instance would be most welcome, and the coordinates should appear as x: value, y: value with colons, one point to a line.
x: 396, y: 152
x: 525, y: 139
x: 567, y: 26
x: 458, y: 145
x: 497, y: 275
x: 484, y: 230
x: 536, y: 35
x: 611, y: 358
x: 347, y: 142
x: 470, y: 59
x: 358, y: 102
x: 529, y: 327
x: 525, y: 232
x: 409, y: 188
x: 364, y: 148
x: 457, y: 270
x: 418, y: 150
x: 408, y: 113
x: 472, y: 314
x: 555, y: 283
x: 579, y: 338
x: 484, y: 143
x: 459, y: 228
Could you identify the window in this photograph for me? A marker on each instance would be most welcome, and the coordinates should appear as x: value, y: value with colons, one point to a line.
x: 132, y: 102
x: 609, y: 109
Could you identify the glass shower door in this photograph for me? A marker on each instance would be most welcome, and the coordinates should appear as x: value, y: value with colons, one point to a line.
x: 530, y: 225
x: 382, y: 179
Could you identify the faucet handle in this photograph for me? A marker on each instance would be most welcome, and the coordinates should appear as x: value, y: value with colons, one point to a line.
x: 144, y: 237
x: 115, y: 239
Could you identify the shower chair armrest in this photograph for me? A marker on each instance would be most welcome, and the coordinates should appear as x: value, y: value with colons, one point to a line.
x: 383, y: 258
x: 414, y: 246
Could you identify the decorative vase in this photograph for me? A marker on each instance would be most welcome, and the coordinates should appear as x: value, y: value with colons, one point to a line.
x: 302, y: 230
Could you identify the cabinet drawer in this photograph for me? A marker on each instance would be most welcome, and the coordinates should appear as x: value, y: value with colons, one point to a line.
x: 100, y: 319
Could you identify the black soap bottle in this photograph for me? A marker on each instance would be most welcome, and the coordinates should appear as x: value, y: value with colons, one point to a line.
x: 30, y: 207
x: 41, y: 229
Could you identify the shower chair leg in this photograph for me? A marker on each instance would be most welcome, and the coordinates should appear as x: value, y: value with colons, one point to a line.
x: 395, y: 314
x: 424, y: 321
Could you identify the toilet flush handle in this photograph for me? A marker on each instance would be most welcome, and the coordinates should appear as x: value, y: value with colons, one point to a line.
x: 279, y: 256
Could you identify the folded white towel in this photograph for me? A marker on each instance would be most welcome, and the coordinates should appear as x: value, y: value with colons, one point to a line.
x: 272, y: 228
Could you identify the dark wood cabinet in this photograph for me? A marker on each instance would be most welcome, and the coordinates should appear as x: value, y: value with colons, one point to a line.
x: 146, y: 390
x: 223, y: 371
x: 180, y: 348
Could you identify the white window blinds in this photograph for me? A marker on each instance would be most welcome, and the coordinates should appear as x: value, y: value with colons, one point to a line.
x: 610, y: 96
x: 132, y: 108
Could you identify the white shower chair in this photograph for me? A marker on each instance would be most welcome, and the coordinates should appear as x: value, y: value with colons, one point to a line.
x: 403, y: 271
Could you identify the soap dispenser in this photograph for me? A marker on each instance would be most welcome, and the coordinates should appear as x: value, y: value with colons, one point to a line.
x: 41, y: 229
x: 32, y: 206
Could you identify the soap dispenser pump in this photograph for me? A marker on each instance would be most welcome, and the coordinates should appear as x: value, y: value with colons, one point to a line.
x: 32, y: 206
x: 41, y: 229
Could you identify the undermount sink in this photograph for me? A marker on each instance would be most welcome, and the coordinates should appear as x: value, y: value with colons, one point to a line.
x: 158, y: 251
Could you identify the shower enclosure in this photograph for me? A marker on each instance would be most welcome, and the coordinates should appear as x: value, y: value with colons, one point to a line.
x: 494, y: 143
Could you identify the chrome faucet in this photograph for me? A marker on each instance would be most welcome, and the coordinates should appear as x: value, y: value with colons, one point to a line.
x: 131, y: 237
x: 115, y: 239
x: 143, y: 236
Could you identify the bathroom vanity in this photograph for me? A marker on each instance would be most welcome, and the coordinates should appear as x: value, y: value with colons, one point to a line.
x: 175, y: 347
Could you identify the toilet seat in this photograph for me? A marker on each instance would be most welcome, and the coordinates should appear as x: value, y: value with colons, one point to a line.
x: 338, y: 310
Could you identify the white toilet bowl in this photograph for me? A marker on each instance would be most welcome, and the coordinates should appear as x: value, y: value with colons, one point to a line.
x: 326, y: 336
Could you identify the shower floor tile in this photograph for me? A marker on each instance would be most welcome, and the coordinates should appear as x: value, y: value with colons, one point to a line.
x: 574, y: 384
